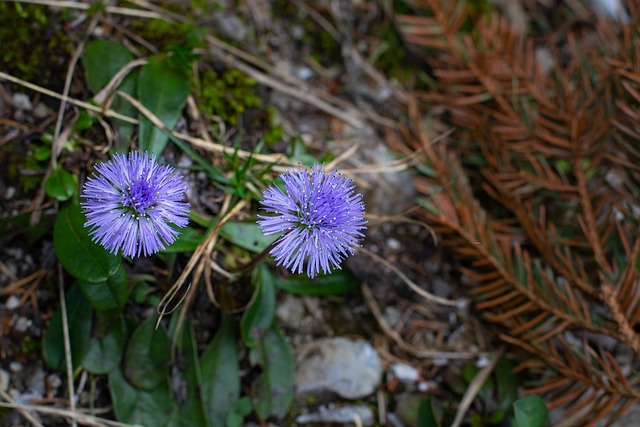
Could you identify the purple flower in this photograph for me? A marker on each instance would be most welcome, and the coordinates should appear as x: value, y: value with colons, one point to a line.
x: 130, y: 204
x: 321, y: 217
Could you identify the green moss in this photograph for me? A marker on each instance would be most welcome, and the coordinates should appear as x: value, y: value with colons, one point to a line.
x: 226, y: 95
x: 169, y: 37
x: 34, y: 47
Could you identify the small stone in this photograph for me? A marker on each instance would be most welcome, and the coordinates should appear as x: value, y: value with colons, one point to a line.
x: 21, y: 101
x: 343, y: 415
x: 483, y: 361
x: 22, y: 324
x: 54, y: 382
x: 15, y: 366
x: 291, y: 312
x: 303, y: 73
x: 9, y: 192
x: 41, y: 111
x: 12, y: 302
x: 348, y: 368
x: 392, y: 315
x: 394, y: 244
x: 404, y: 373
x: 441, y: 287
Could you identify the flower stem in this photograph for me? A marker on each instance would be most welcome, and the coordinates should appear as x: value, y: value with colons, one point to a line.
x: 245, y: 268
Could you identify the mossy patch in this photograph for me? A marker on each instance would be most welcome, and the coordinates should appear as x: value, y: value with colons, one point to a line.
x: 34, y: 47
x: 226, y: 94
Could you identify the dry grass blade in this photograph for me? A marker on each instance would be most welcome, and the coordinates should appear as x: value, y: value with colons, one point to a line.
x: 76, y: 416
x: 402, y: 344
x: 460, y: 303
x: 10, y: 403
x: 474, y: 388
x: 67, y: 343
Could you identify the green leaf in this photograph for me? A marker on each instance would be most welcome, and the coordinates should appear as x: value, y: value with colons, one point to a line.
x: 163, y: 89
x: 187, y: 241
x: 134, y: 406
x: 146, y: 362
x: 103, y: 60
x: 191, y: 411
x: 507, y: 382
x: 274, y: 387
x: 219, y: 366
x: 241, y: 409
x: 426, y: 414
x: 530, y: 411
x: 247, y: 235
x: 259, y: 315
x: 83, y: 259
x: 60, y: 185
x: 339, y: 282
x: 110, y: 294
x: 106, y: 348
x: 79, y: 316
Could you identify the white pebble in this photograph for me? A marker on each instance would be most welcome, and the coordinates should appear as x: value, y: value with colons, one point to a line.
x: 12, y: 302
x: 404, y: 373
x: 22, y: 102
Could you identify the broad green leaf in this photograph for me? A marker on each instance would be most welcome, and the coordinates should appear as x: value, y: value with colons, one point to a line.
x: 83, y: 259
x: 274, y: 387
x: 530, y: 411
x: 247, y: 235
x: 110, y: 294
x: 60, y: 185
x: 79, y: 317
x: 242, y: 408
x: 191, y: 411
x: 259, y: 315
x: 220, y: 370
x: 187, y: 241
x: 507, y: 382
x: 103, y: 60
x: 426, y: 414
x: 146, y: 362
x: 163, y: 89
x: 107, y: 346
x: 146, y: 408
x: 339, y: 282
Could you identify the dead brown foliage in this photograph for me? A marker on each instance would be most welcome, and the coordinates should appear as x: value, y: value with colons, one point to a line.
x: 537, y: 190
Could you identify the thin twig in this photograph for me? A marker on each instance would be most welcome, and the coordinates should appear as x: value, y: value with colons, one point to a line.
x: 474, y: 388
x: 86, y: 6
x: 74, y: 415
x: 417, y: 289
x: 402, y: 344
x: 25, y: 412
x: 67, y: 343
x: 85, y: 105
x: 210, y: 146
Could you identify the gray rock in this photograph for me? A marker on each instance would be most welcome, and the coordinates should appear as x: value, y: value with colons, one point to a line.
x: 291, y: 311
x: 22, y: 324
x: 12, y: 302
x: 348, y: 368
x: 342, y: 415
x: 404, y: 373
x: 21, y: 101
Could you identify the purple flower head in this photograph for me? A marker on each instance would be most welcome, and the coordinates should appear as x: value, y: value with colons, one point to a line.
x: 321, y: 216
x: 130, y: 204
